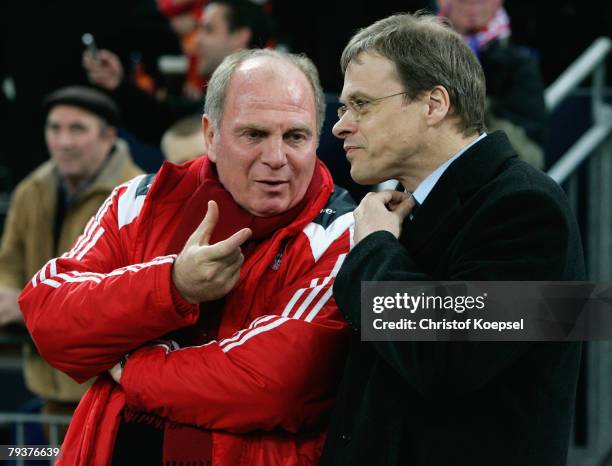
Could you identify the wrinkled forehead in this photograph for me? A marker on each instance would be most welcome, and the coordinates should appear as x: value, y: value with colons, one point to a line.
x: 369, y: 74
x: 265, y: 80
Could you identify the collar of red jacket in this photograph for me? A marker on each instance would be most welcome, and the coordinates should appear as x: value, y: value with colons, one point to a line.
x: 199, y: 184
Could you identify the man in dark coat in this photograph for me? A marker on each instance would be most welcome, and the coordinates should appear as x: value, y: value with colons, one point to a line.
x: 414, y: 98
x: 515, y: 91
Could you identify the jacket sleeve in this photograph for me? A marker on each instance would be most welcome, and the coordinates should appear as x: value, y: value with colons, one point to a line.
x: 279, y: 372
x: 12, y: 252
x: 87, y: 308
x: 497, y: 250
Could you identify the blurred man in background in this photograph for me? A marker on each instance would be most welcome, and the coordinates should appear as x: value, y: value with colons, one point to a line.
x: 51, y: 207
x: 44, y: 39
x: 183, y: 141
x: 515, y: 91
x: 226, y: 26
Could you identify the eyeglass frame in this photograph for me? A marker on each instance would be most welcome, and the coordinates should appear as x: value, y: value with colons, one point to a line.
x: 357, y: 108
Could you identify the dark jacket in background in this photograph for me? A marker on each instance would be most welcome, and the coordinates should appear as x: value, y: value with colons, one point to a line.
x: 515, y: 98
x: 515, y: 87
x: 490, y: 217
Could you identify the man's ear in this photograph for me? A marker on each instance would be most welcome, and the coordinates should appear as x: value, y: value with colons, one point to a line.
x: 438, y: 105
x: 110, y: 133
x: 208, y: 128
x: 241, y: 38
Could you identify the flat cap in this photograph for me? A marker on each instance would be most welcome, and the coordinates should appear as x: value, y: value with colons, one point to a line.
x: 87, y: 98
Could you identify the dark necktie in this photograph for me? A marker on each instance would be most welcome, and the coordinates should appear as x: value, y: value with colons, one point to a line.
x: 415, y: 209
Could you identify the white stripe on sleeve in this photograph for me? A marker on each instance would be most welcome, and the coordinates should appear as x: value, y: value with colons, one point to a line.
x: 256, y: 331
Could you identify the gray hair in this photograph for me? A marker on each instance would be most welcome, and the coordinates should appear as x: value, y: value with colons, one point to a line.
x: 426, y: 53
x: 219, y: 82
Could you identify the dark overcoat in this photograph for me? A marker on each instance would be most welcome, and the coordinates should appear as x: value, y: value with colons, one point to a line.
x: 489, y: 217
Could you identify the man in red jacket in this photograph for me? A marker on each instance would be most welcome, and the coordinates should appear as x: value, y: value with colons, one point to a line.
x: 228, y: 259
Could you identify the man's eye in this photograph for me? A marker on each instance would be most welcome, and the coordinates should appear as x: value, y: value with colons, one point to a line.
x: 297, y: 137
x: 360, y: 104
x: 254, y: 134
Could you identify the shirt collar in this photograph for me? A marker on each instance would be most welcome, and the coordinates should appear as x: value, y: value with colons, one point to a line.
x: 425, y: 187
x: 69, y: 197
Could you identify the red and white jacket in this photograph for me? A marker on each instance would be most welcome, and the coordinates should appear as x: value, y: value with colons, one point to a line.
x: 280, y: 346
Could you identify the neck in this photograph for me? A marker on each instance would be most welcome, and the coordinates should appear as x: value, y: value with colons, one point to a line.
x: 72, y: 184
x: 439, y: 149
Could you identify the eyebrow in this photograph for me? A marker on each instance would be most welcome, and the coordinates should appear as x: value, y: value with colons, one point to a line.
x: 250, y: 127
x: 256, y: 127
x: 354, y: 95
x: 56, y: 124
x: 299, y: 128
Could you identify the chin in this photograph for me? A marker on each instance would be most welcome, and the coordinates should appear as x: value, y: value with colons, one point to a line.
x: 363, y: 179
x: 67, y: 173
x: 267, y: 210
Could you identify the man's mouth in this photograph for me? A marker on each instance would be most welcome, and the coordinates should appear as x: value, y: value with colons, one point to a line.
x: 350, y: 149
x: 272, y: 182
x: 272, y: 186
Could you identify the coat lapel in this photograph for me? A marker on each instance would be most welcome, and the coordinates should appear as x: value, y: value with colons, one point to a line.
x: 439, y: 216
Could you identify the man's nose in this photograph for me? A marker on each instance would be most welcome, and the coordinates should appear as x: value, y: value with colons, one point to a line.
x: 64, y: 139
x: 344, y: 126
x: 274, y: 154
x: 198, y: 37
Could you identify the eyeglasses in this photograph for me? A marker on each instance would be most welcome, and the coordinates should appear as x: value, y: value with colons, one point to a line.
x: 359, y: 107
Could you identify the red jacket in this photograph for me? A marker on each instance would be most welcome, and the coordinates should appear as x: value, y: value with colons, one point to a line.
x: 280, y: 344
